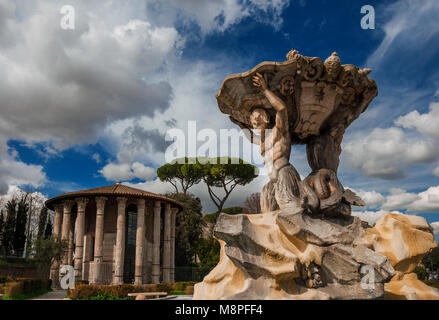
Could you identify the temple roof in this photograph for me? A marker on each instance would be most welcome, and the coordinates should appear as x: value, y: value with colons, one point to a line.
x: 112, y: 190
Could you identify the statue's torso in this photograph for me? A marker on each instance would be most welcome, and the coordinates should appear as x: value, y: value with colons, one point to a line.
x: 275, y: 150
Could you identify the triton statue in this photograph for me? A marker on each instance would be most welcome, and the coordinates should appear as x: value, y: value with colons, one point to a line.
x: 301, y: 101
x: 306, y: 244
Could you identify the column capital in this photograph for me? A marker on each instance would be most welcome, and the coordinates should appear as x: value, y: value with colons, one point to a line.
x: 82, y: 202
x: 141, y: 202
x: 157, y: 204
x: 58, y: 207
x: 68, y: 204
x: 100, y: 201
x: 122, y: 200
x: 175, y: 210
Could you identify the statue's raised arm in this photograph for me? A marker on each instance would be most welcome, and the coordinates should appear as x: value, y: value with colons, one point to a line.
x: 275, y: 101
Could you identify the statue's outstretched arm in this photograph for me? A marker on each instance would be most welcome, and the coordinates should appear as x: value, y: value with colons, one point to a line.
x: 275, y: 101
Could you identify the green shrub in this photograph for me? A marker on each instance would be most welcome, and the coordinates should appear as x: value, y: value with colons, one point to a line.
x: 14, y: 288
x: 421, y: 273
x: 120, y: 292
x: 25, y: 287
x: 181, y: 286
x: 165, y: 287
x: 85, y: 291
x: 6, y: 279
x: 233, y: 210
x: 106, y: 296
x: 189, y: 290
x: 177, y: 293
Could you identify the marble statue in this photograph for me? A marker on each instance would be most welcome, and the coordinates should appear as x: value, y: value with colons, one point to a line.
x: 301, y: 101
x: 306, y: 244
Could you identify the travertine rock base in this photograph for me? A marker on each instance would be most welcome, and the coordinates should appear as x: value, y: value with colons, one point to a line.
x: 290, y: 255
x: 408, y: 287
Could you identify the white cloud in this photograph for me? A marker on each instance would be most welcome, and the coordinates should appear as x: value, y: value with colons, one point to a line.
x: 126, y: 172
x: 373, y: 199
x: 428, y: 201
x: 385, y: 153
x: 75, y: 82
x: 435, y: 226
x: 399, y: 199
x: 426, y: 123
x: 407, y: 23
x: 217, y: 15
x: 96, y: 157
x: 15, y: 172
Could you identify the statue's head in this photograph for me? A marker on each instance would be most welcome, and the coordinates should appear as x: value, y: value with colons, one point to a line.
x: 333, y: 66
x: 259, y: 119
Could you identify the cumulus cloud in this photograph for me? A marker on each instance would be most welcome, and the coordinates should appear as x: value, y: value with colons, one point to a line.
x: 399, y: 199
x: 385, y: 153
x: 15, y: 172
x: 373, y: 199
x: 126, y: 172
x: 62, y: 87
x: 426, y: 123
x: 79, y: 80
x: 428, y: 201
x: 435, y: 226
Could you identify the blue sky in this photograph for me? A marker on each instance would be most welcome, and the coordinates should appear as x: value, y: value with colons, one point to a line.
x: 87, y: 107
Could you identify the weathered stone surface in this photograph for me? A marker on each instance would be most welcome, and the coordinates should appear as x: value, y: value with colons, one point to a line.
x: 319, y: 231
x: 403, y: 239
x: 408, y: 287
x: 279, y: 255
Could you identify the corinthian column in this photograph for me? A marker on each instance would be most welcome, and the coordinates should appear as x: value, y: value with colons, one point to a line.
x: 67, y: 208
x: 99, y: 239
x: 57, y: 224
x: 71, y: 242
x: 173, y: 216
x: 167, y: 245
x: 140, y: 241
x: 54, y: 270
x: 156, y: 245
x: 80, y: 228
x: 120, y: 241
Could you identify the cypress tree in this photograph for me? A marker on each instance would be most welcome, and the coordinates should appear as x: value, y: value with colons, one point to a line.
x: 42, y: 223
x: 48, y: 230
x: 20, y: 227
x: 9, y: 227
x: 2, y: 225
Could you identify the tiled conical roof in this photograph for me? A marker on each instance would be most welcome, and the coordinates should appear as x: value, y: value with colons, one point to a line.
x: 112, y: 190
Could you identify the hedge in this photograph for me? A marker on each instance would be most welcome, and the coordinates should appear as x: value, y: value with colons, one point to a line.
x: 92, y: 292
x: 22, y: 286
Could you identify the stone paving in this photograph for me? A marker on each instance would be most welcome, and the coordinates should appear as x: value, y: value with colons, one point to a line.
x: 52, y: 295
